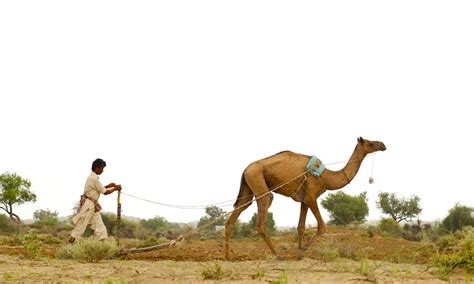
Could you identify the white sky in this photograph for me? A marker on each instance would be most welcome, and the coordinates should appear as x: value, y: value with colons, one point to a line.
x: 178, y: 97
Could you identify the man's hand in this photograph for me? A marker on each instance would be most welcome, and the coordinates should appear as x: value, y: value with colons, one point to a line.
x: 112, y: 188
x: 110, y: 185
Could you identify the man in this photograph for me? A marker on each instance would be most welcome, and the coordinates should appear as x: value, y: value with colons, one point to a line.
x: 89, y: 211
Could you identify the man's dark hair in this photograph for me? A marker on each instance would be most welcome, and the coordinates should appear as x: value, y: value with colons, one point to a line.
x: 98, y: 163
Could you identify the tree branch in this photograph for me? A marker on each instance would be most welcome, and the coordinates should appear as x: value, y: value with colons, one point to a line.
x: 16, y: 217
x: 403, y: 218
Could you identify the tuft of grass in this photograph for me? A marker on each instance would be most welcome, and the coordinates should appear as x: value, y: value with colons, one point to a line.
x: 282, y: 279
x: 8, y: 276
x: 328, y: 254
x: 259, y: 275
x: 88, y: 250
x: 214, y: 272
x: 364, y: 267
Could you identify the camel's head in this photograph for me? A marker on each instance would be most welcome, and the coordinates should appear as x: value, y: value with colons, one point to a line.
x: 370, y: 146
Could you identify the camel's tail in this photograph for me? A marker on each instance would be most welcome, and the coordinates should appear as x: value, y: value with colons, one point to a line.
x: 244, y: 192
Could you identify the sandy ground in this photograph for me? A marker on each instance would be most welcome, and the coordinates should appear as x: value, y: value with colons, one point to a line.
x: 18, y: 269
x: 342, y: 255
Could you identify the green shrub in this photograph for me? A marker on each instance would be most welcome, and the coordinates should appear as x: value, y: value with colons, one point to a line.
x: 455, y: 252
x: 446, y: 243
x: 88, y: 250
x: 390, y: 226
x: 32, y: 245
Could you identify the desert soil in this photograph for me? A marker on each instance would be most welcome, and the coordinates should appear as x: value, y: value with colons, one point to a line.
x: 18, y: 269
x: 360, y: 258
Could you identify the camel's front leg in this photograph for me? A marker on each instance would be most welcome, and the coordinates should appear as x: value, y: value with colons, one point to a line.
x: 313, y: 205
x: 301, y: 229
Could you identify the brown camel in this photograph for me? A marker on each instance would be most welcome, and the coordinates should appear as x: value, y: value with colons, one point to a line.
x: 277, y: 170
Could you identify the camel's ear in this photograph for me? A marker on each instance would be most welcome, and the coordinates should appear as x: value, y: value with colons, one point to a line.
x: 360, y: 140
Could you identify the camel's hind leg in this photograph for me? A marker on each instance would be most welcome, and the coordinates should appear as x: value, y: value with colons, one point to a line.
x: 256, y: 181
x: 263, y: 205
x: 243, y: 202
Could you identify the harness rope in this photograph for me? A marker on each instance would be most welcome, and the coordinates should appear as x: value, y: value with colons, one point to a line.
x: 182, y: 237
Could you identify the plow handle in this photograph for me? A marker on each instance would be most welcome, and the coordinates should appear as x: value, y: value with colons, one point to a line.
x: 119, y: 217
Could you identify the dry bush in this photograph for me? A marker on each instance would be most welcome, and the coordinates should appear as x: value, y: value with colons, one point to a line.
x: 327, y: 254
x: 214, y: 272
x: 7, y: 226
x: 88, y: 250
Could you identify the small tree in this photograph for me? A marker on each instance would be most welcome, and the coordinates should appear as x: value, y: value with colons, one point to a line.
x: 400, y: 209
x: 157, y: 224
x: 14, y: 190
x: 459, y: 216
x: 269, y: 223
x: 46, y: 217
x: 344, y: 208
x: 213, y: 213
x: 242, y: 230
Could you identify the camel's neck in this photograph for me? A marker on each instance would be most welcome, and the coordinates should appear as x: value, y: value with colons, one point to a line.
x: 339, y: 179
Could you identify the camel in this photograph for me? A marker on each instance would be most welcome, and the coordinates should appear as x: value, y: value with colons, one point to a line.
x: 275, y: 171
